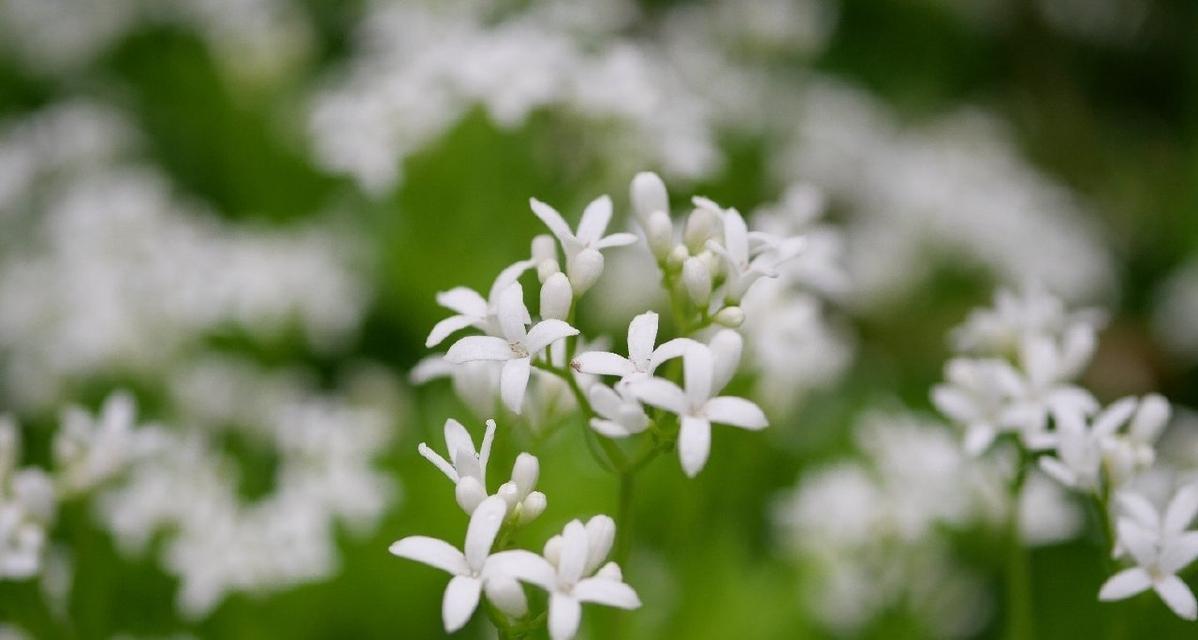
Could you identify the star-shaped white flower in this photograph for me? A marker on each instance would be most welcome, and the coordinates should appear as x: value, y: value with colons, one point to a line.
x: 620, y: 415
x: 472, y: 310
x: 748, y: 257
x: 515, y: 349
x: 568, y: 573
x: 642, y: 358
x: 584, y: 260
x: 1127, y: 452
x: 471, y: 570
x: 91, y: 450
x: 1084, y: 451
x: 1159, y: 555
x: 467, y: 466
x: 977, y: 396
x: 1047, y: 367
x: 697, y: 406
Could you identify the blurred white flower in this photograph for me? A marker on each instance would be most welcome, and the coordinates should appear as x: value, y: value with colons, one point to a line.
x: 89, y: 451
x: 1161, y: 547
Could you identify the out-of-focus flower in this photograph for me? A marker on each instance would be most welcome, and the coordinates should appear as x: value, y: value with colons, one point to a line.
x: 1161, y: 547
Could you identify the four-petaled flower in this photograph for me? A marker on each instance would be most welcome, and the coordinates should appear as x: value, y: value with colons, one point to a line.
x: 1160, y: 547
x: 515, y: 349
x: 584, y: 262
x: 642, y: 358
x: 697, y: 406
x: 472, y: 309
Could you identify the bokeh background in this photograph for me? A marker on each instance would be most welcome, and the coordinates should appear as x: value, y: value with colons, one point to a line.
x: 285, y: 186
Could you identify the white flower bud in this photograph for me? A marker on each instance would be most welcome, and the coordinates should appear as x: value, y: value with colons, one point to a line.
x: 649, y: 195
x: 677, y: 258
x: 544, y: 247
x: 584, y: 269
x: 700, y: 227
x: 532, y: 507
x: 715, y: 264
x: 697, y: 279
x: 546, y: 268
x: 556, y: 297
x: 469, y: 493
x: 510, y: 495
x: 507, y: 595
x: 731, y: 317
x: 659, y: 233
x: 611, y: 571
x: 525, y: 473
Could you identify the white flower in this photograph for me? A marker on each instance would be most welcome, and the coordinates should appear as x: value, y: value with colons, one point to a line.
x: 1078, y: 463
x: 471, y: 309
x: 1033, y: 311
x: 1047, y: 367
x: 642, y: 358
x: 1127, y: 453
x: 704, y: 376
x: 568, y: 573
x: 468, y: 469
x: 524, y: 504
x: 89, y: 451
x: 1159, y: 551
x: 620, y: 415
x: 471, y: 570
x: 747, y: 263
x: 977, y: 396
x: 584, y: 262
x: 515, y: 349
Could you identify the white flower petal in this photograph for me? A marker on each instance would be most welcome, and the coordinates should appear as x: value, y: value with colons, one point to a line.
x: 438, y: 462
x: 1139, y: 509
x: 431, y: 551
x: 1115, y: 416
x: 622, y: 239
x: 668, y: 351
x: 524, y: 566
x: 1181, y: 510
x: 564, y: 615
x: 457, y: 438
x: 475, y: 348
x: 1058, y: 471
x: 605, y: 401
x: 726, y: 347
x: 661, y: 393
x: 506, y: 278
x: 602, y: 363
x: 574, y: 551
x: 461, y: 599
x: 954, y: 403
x: 513, y: 382
x: 552, y: 219
x: 607, y: 592
x: 595, y: 219
x: 978, y: 437
x: 642, y: 335
x: 694, y: 444
x: 1140, y: 542
x: 736, y: 412
x: 609, y: 428
x: 547, y: 332
x: 601, y: 532
x: 736, y: 237
x: 697, y: 369
x: 1179, y: 552
x: 511, y: 313
x: 463, y: 301
x: 1150, y: 418
x: 1125, y: 584
x: 1178, y: 596
x: 480, y: 533
x: 507, y: 595
x: 446, y: 328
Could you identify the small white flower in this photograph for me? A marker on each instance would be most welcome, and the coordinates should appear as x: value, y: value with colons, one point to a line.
x: 584, y: 262
x: 643, y: 359
x: 1047, y: 368
x: 704, y: 376
x: 524, y: 503
x: 1159, y: 552
x: 977, y: 396
x: 745, y: 263
x: 515, y: 349
x: 89, y: 451
x: 620, y: 415
x: 471, y: 570
x: 570, y: 572
x: 472, y: 309
x: 1125, y: 453
x: 468, y: 469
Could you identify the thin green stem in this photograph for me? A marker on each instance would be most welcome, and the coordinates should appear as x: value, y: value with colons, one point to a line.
x: 624, y: 517
x: 1019, y: 600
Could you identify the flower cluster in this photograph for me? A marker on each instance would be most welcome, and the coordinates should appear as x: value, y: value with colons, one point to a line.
x: 660, y: 394
x: 1018, y: 379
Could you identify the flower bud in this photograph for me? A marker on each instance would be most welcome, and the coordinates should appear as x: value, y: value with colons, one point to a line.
x: 697, y: 279
x: 611, y: 571
x: 584, y: 269
x: 525, y: 472
x: 507, y: 595
x: 510, y: 495
x: 700, y: 227
x: 649, y: 195
x: 677, y: 258
x: 556, y: 297
x: 546, y: 268
x: 731, y: 317
x: 469, y: 493
x: 659, y: 233
x: 544, y: 247
x: 532, y: 507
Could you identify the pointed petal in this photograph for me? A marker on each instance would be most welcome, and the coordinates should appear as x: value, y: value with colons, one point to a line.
x: 609, y: 428
x: 1058, y: 471
x: 1108, y: 422
x: 552, y: 219
x: 511, y: 312
x: 446, y: 328
x: 457, y: 438
x: 564, y: 615
x: 1139, y: 509
x: 694, y: 444
x: 642, y: 335
x: 545, y: 333
x: 461, y: 599
x: 1138, y: 541
x: 507, y: 278
x: 978, y: 437
x: 1150, y: 418
x: 513, y: 382
x: 475, y: 348
x: 661, y: 393
x: 484, y: 451
x: 1125, y: 584
x: 736, y: 237
x: 438, y: 462
x: 622, y: 239
x: 574, y: 550
x: 601, y: 532
x: 480, y: 533
x: 607, y: 592
x: 1181, y: 510
x: 1178, y: 596
x: 666, y: 351
x: 1179, y: 552
x: 431, y: 551
x: 595, y: 219
x: 726, y: 348
x: 605, y: 401
x: 698, y: 370
x: 736, y: 412
x: 524, y: 566
x: 463, y: 301
x: 602, y: 363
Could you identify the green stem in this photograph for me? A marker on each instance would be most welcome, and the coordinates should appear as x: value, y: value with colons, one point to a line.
x: 1019, y: 600
x: 624, y: 518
